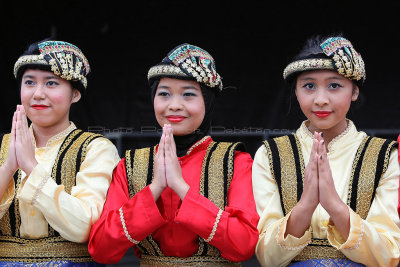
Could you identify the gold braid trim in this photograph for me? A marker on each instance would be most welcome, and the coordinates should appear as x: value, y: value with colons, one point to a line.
x: 39, y: 250
x: 367, y: 174
x: 288, y: 172
x: 155, y: 261
x: 5, y: 220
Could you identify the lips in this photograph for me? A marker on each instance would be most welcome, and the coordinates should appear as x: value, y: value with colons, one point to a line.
x: 322, y: 114
x: 175, y: 118
x: 39, y: 107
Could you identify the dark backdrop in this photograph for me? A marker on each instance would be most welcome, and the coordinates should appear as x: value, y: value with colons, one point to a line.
x: 251, y: 42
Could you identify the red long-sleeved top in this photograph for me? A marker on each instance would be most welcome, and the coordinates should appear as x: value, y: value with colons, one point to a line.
x: 176, y: 224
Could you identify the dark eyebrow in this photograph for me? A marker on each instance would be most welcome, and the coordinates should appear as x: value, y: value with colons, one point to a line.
x: 190, y: 87
x: 47, y: 77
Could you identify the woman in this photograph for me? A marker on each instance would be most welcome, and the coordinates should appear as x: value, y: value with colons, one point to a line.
x: 187, y: 201
x: 53, y: 176
x: 326, y: 194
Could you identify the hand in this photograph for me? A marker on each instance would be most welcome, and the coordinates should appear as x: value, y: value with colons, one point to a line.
x: 159, y: 182
x: 24, y: 148
x: 328, y: 196
x: 310, y: 196
x: 300, y: 218
x: 11, y: 165
x: 173, y: 171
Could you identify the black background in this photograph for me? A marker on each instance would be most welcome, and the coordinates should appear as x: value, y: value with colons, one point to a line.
x: 251, y: 41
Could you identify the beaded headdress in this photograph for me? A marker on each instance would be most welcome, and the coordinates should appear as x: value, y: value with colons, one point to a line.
x: 65, y: 60
x: 340, y: 56
x: 188, y: 61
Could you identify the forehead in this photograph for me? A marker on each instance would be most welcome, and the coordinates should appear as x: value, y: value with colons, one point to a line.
x: 320, y: 75
x: 38, y: 73
x: 178, y: 83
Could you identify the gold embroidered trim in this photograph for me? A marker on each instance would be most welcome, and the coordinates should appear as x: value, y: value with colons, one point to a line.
x: 165, y: 70
x: 156, y: 261
x: 128, y: 166
x: 197, y: 144
x: 308, y: 64
x: 38, y: 250
x: 5, y: 143
x: 203, y: 167
x: 140, y: 168
x: 215, y: 226
x: 365, y: 183
x: 288, y: 172
x: 29, y: 59
x: 216, y: 175
x: 319, y: 252
x: 128, y: 236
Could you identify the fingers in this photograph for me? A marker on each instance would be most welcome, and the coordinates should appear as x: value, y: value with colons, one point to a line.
x: 161, y: 146
x: 173, y: 146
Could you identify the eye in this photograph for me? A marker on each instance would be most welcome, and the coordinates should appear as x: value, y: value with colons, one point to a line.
x: 29, y: 82
x: 309, y: 86
x: 52, y: 83
x: 162, y: 93
x: 334, y: 86
x: 188, y: 94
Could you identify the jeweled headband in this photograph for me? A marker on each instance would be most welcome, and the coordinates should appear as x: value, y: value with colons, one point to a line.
x: 341, y: 57
x: 188, y: 61
x: 66, y: 61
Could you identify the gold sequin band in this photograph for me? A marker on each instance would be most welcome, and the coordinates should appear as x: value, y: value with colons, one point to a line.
x: 29, y: 59
x: 214, y: 227
x: 165, y: 70
x: 198, y: 261
x: 128, y: 236
x: 308, y: 64
x: 16, y: 249
x: 39, y: 188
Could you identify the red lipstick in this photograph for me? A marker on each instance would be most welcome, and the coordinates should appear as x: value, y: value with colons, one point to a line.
x: 322, y: 114
x: 39, y: 107
x: 175, y: 118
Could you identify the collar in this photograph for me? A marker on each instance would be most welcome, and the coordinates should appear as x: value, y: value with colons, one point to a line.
x: 56, y: 138
x: 348, y: 133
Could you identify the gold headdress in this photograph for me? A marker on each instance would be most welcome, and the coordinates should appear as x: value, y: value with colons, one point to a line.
x: 341, y: 57
x: 65, y: 60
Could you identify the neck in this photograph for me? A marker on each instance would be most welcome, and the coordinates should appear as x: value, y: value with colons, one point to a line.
x: 43, y: 134
x: 331, y: 133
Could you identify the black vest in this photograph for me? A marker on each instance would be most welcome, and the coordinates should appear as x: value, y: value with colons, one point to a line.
x: 71, y: 154
x: 287, y: 167
x: 215, y: 178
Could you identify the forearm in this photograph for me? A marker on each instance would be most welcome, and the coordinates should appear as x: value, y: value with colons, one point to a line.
x: 299, y: 220
x: 6, y: 175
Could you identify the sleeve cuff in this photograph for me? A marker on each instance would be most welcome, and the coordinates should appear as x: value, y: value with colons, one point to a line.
x: 291, y: 242
x: 138, y: 225
x: 355, y: 234
x: 7, y: 197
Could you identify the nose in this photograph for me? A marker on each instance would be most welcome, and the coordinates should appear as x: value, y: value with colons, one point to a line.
x: 175, y: 103
x: 39, y: 92
x: 321, y: 97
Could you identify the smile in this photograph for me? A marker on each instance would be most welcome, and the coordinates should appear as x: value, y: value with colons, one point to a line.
x: 322, y: 114
x: 175, y: 118
x: 39, y: 107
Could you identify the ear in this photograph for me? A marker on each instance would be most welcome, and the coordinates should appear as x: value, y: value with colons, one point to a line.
x: 76, y: 95
x: 356, y: 92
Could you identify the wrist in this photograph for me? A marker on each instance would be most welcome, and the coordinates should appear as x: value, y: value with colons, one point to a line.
x: 156, y: 190
x: 7, y: 169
